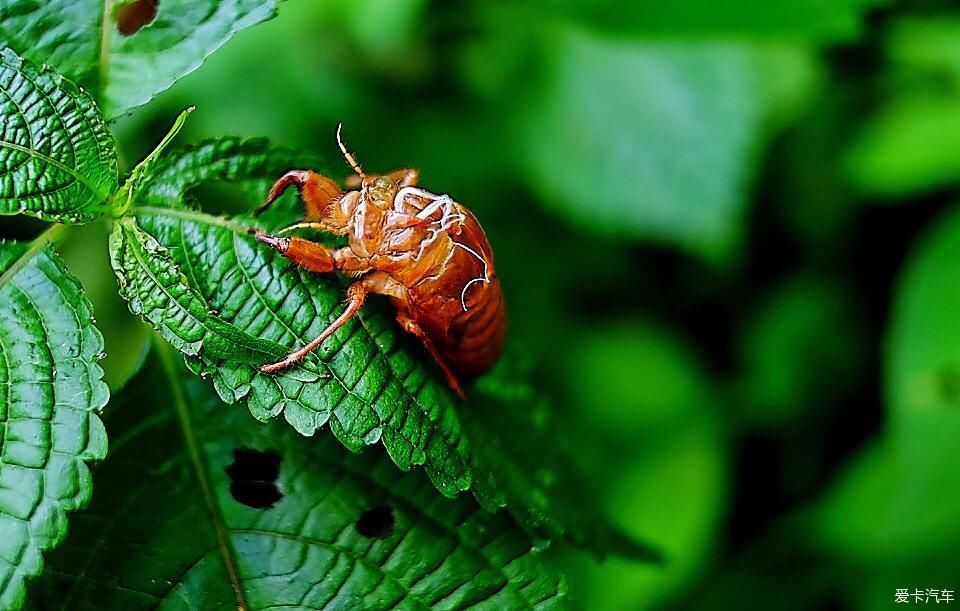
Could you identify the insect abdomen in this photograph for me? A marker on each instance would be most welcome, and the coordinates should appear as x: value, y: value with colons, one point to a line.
x: 478, y: 334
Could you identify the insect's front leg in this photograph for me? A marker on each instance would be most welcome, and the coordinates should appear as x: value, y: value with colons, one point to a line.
x: 315, y: 257
x: 316, y: 190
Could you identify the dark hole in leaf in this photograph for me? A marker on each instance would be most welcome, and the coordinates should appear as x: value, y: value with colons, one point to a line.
x: 253, y: 477
x: 376, y: 522
x: 134, y: 15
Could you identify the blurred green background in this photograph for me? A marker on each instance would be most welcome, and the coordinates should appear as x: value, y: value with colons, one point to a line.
x: 730, y: 240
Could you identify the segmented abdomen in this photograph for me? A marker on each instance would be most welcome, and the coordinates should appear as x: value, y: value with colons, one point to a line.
x: 460, y: 303
x: 478, y: 334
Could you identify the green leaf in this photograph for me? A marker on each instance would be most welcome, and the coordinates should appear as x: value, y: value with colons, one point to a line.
x: 900, y: 499
x: 155, y: 288
x: 194, y: 268
x: 258, y: 517
x: 135, y: 179
x: 658, y: 140
x: 524, y: 454
x: 909, y: 144
x: 181, y: 36
x: 786, y: 374
x: 926, y: 44
x: 58, y: 161
x: 61, y: 33
x: 252, y: 164
x: 80, y: 38
x: 923, y: 350
x: 641, y: 394
x: 50, y: 391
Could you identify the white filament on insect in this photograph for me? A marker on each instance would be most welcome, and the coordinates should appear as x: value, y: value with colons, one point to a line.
x: 401, y: 195
x: 448, y: 219
x: 485, y: 278
x: 446, y: 203
x: 443, y: 201
x: 445, y: 223
x: 436, y: 201
x: 450, y: 216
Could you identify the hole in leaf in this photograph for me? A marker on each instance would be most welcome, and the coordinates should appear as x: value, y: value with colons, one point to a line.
x: 131, y: 17
x: 377, y: 522
x: 253, y: 477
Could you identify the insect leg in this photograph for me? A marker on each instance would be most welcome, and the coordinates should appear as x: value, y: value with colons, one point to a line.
x: 356, y: 295
x: 317, y: 191
x: 308, y: 255
x: 315, y: 257
x: 410, y: 326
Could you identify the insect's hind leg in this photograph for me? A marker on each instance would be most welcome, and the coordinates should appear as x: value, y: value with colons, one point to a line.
x: 377, y: 282
x: 410, y: 326
x: 356, y: 295
x: 316, y: 191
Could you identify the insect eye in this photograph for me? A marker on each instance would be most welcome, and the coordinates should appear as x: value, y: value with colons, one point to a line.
x: 384, y: 182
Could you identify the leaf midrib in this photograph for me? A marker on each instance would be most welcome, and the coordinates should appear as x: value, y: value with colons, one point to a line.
x: 200, y: 470
x: 153, y: 276
x: 104, y: 67
x: 204, y: 218
x: 57, y: 164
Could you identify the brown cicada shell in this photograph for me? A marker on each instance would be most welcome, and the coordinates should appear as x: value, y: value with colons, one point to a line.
x: 424, y: 251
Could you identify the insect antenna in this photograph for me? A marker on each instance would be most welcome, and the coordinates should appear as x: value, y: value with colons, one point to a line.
x: 351, y: 159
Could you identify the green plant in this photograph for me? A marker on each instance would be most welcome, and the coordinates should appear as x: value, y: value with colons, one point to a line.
x: 173, y: 500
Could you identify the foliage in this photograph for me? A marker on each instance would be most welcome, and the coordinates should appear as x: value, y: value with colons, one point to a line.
x: 257, y: 516
x: 729, y: 94
x: 718, y: 341
x: 81, y: 39
x: 54, y: 141
x: 229, y: 305
x: 50, y: 391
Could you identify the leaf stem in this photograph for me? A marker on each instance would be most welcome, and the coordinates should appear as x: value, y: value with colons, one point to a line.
x: 105, y: 27
x: 165, y: 354
x: 198, y: 217
x: 132, y: 183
